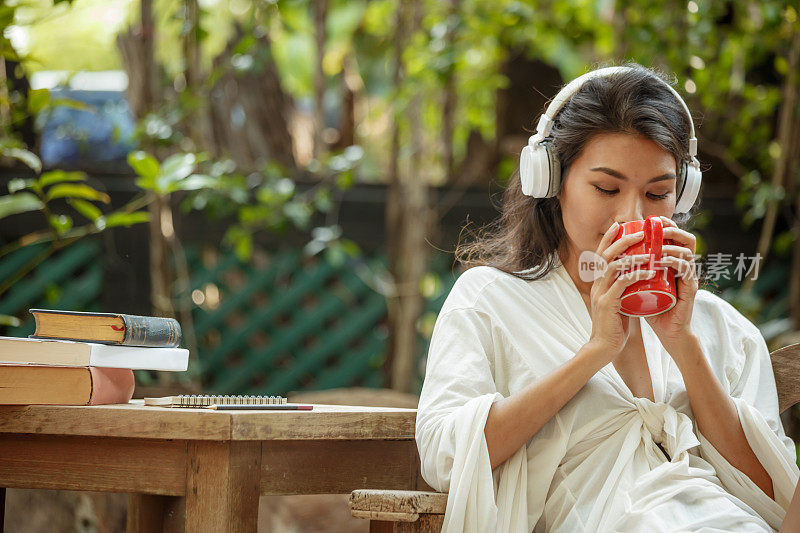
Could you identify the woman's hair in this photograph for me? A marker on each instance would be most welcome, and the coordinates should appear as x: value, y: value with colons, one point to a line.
x: 529, y: 231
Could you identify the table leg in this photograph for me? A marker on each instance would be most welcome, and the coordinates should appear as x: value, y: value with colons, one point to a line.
x: 222, y: 486
x: 147, y: 512
x: 2, y: 509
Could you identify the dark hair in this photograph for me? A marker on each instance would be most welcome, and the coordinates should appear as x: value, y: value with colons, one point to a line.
x: 530, y: 230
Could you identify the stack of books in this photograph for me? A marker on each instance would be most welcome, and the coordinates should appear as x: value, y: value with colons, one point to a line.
x: 76, y: 358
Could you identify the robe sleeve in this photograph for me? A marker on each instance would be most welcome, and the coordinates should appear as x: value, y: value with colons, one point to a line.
x: 755, y: 396
x: 457, y: 393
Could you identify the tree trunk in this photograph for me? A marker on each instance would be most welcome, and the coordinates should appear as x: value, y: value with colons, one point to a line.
x: 136, y: 49
x: 450, y: 97
x: 198, y: 121
x: 161, y: 230
x: 794, y: 276
x: 787, y: 119
x: 5, y: 101
x: 353, y: 85
x: 394, y: 197
x: 408, y: 221
x: 250, y: 111
x: 347, y: 127
x: 320, y: 12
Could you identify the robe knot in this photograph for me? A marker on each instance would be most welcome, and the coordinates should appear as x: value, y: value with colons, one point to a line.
x: 668, y: 427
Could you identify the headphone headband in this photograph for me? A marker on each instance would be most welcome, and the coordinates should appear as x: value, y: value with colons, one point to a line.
x: 546, y: 120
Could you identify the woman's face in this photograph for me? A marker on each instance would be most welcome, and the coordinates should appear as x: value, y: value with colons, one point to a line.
x: 640, y: 178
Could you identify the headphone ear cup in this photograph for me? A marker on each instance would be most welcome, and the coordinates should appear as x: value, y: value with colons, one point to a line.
x: 554, y: 174
x: 680, y: 182
x: 689, y: 187
x: 533, y: 168
x: 539, y: 171
x: 526, y: 170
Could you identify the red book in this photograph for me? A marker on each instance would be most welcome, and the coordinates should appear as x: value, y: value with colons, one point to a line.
x: 64, y: 385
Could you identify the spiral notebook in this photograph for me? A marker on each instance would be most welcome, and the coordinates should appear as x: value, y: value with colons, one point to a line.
x: 204, y: 400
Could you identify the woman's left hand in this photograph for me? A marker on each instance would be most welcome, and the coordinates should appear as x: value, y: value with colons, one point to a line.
x: 674, y: 326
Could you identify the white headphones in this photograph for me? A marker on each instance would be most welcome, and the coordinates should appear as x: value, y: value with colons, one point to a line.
x: 540, y: 170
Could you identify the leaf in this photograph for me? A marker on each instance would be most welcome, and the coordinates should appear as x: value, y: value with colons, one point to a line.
x: 177, y: 167
x: 52, y: 294
x: 314, y: 247
x: 73, y: 104
x: 38, y: 99
x: 244, y: 247
x: 88, y: 210
x: 124, y: 219
x: 298, y: 212
x: 148, y: 184
x: 6, y: 19
x: 194, y: 182
x: 241, y: 240
x: 7, y: 50
x: 350, y: 248
x: 345, y: 180
x: 60, y: 223
x: 18, y: 184
x: 783, y: 243
x: 144, y: 164
x: 26, y: 156
x: 71, y: 190
x: 58, y: 176
x: 244, y: 44
x: 8, y: 320
x: 335, y: 255
x: 19, y: 203
x: 322, y: 200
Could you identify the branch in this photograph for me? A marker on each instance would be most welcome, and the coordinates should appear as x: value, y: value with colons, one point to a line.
x: 74, y: 233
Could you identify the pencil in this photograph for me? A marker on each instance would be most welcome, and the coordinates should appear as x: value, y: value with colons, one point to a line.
x: 260, y: 407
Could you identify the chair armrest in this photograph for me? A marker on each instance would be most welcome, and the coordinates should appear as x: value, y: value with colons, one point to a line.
x: 396, y: 505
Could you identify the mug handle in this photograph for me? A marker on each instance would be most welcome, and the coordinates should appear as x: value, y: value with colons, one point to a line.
x: 653, y: 239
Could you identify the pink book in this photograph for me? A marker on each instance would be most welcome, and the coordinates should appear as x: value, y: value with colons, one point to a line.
x: 64, y: 385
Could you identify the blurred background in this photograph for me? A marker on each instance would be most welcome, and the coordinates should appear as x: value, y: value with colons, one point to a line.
x: 289, y: 178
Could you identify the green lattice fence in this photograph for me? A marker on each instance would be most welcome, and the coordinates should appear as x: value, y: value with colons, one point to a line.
x: 70, y: 279
x: 290, y: 323
x: 286, y: 322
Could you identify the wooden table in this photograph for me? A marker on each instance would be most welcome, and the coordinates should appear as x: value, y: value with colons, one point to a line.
x: 203, y: 470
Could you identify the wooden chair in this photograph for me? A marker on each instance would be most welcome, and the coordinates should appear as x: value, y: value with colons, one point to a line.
x: 418, y: 511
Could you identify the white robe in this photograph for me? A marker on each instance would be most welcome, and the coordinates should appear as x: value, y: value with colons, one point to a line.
x: 595, y: 465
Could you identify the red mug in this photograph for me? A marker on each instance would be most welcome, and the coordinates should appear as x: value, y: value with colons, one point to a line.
x: 655, y: 295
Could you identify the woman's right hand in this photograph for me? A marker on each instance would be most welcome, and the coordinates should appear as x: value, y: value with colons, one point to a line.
x: 609, y: 326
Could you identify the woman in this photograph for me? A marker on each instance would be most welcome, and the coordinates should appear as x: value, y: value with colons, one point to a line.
x: 543, y: 408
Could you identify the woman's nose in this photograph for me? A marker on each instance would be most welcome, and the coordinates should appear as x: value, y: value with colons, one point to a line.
x: 631, y: 212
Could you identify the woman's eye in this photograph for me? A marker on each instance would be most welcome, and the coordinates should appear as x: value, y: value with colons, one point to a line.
x: 656, y: 196
x: 604, y: 191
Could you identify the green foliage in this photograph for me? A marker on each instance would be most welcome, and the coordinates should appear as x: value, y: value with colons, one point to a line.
x: 783, y: 243
x: 90, y: 211
x: 144, y: 164
x: 176, y: 173
x: 729, y: 59
x: 16, y: 150
x: 61, y: 36
x: 41, y: 193
x: 19, y: 203
x: 265, y: 201
x: 6, y: 320
x: 123, y: 219
x: 35, y: 194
